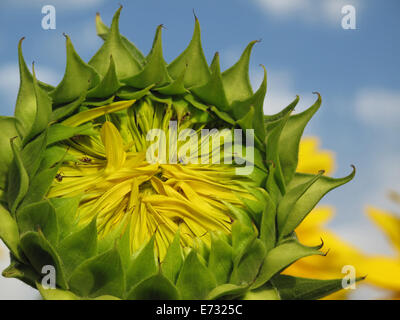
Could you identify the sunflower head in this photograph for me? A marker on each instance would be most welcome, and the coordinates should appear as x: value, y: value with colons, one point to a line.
x: 139, y: 179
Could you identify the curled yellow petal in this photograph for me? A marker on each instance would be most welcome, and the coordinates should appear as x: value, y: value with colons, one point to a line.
x: 94, y: 113
x: 114, y: 147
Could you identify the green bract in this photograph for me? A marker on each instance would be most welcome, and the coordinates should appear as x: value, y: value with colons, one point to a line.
x: 94, y: 122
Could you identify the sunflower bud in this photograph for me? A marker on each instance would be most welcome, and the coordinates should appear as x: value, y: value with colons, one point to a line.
x: 138, y: 179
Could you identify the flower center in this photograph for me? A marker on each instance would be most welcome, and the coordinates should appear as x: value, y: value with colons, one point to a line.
x: 118, y: 185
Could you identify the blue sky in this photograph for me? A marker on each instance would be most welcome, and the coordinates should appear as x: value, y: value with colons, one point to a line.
x: 304, y: 48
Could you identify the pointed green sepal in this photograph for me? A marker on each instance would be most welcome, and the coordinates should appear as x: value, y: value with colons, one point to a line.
x: 132, y: 93
x: 220, y: 259
x: 213, y: 91
x: 195, y: 281
x: 236, y: 79
x: 66, y: 110
x: 32, y: 154
x: 65, y: 212
x: 155, y: 70
x: 193, y: 60
x: 43, y: 111
x: 40, y: 215
x: 8, y: 127
x: 99, y: 275
x: 247, y: 121
x: 78, y: 77
x: 280, y: 257
x: 39, y: 185
x: 103, y: 32
x: 274, y: 126
x: 18, y: 179
x: 142, y: 266
x: 125, y: 63
x: 21, y: 271
x: 290, y: 139
x: 41, y: 253
x: 176, y: 87
x: 287, y: 221
x: 78, y: 247
x: 296, y: 288
x: 246, y: 270
x: 243, y: 237
x: 108, y: 86
x: 305, y: 191
x: 268, y: 232
x: 9, y: 231
x: 25, y: 108
x: 173, y: 260
x: 156, y: 287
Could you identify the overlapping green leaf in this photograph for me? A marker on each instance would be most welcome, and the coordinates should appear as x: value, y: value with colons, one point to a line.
x: 173, y: 260
x: 290, y: 139
x: 41, y: 253
x: 280, y: 258
x: 195, y: 281
x: 78, y: 247
x: 155, y: 70
x: 193, y: 61
x: 39, y: 216
x: 9, y: 232
x: 220, y: 260
x: 142, y: 266
x: 295, y: 288
x: 18, y: 180
x: 213, y: 91
x: 125, y: 63
x: 236, y: 79
x: 304, y: 193
x: 156, y: 287
x: 8, y: 131
x: 92, y: 279
x: 103, y: 32
x: 78, y: 77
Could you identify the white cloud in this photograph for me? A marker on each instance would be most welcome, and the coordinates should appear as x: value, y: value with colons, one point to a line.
x: 378, y: 107
x: 280, y: 91
x: 283, y: 7
x: 328, y: 11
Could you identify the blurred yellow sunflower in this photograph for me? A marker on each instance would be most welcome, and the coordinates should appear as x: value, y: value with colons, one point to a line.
x: 382, y: 271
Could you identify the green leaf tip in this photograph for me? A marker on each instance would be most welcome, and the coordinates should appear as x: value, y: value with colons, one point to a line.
x: 236, y: 79
x: 78, y: 77
x: 155, y: 71
x: 192, y: 58
x: 56, y: 130
x: 126, y: 64
x: 213, y: 91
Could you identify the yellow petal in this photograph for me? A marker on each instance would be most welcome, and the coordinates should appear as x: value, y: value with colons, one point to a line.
x: 312, y: 159
x: 94, y: 113
x: 383, y: 272
x: 389, y: 223
x: 114, y: 146
x: 315, y: 220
